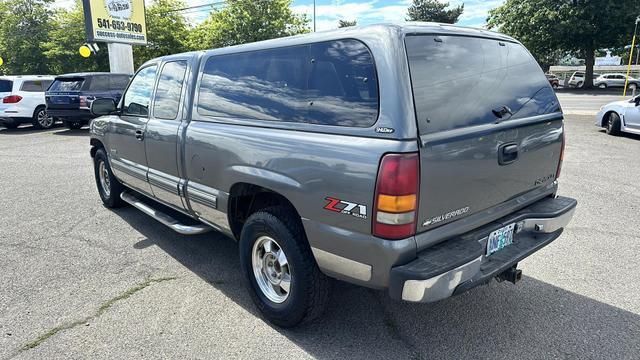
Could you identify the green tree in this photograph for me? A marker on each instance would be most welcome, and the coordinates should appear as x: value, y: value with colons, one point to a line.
x: 434, y: 10
x: 568, y: 26
x: 347, y: 23
x: 65, y: 37
x: 24, y: 27
x: 167, y: 31
x: 244, y: 21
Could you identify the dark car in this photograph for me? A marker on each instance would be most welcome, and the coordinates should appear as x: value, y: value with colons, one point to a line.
x: 70, y: 96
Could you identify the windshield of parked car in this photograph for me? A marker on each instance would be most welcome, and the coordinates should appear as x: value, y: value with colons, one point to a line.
x: 461, y: 81
x: 6, y: 85
x: 67, y: 84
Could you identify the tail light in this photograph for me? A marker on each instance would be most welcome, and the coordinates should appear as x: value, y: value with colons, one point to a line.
x: 396, y: 196
x: 561, y: 154
x: 83, y: 101
x: 11, y: 99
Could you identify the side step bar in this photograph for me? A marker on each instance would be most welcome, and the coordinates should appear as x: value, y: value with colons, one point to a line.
x: 164, y: 218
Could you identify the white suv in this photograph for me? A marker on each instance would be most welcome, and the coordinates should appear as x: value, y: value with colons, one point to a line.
x: 22, y: 101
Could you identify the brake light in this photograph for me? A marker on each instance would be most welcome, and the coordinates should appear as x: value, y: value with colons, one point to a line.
x: 11, y: 99
x: 561, y: 154
x: 83, y: 101
x: 396, y: 196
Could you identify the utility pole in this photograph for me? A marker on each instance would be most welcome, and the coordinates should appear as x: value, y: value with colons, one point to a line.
x: 314, y: 16
x: 633, y: 45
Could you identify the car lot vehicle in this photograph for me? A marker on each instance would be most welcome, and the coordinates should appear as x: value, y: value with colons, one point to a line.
x: 70, y: 96
x: 620, y: 116
x: 615, y: 80
x: 22, y: 101
x: 330, y: 154
x: 553, y: 80
x: 577, y: 79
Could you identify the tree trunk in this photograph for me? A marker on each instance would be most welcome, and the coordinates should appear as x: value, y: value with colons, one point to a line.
x: 589, y: 61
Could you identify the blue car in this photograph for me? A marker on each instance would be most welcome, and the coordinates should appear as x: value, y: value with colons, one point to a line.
x: 70, y: 96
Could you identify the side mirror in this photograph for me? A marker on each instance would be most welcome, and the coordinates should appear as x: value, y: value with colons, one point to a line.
x: 101, y: 107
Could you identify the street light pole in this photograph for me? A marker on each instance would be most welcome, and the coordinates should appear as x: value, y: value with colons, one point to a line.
x: 314, y: 16
x: 633, y: 45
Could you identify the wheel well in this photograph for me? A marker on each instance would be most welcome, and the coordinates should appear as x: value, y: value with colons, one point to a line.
x: 245, y: 199
x: 35, y: 111
x: 95, y: 145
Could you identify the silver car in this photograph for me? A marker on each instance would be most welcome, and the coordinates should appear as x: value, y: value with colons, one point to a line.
x: 615, y: 80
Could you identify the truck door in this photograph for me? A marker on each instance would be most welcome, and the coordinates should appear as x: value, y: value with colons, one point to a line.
x: 127, y: 137
x: 162, y: 134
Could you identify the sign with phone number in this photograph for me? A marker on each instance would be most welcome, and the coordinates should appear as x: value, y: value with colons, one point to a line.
x: 119, y: 21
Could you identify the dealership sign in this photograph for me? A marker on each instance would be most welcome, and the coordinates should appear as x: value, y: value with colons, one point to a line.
x: 115, y: 21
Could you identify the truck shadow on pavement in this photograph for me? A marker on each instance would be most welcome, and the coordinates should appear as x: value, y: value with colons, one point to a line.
x: 531, y: 320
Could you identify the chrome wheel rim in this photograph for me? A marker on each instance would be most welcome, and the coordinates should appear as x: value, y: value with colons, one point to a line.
x: 105, y: 182
x: 44, y: 119
x: 271, y: 269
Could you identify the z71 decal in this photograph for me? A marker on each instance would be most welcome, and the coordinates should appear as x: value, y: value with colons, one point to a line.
x: 346, y: 207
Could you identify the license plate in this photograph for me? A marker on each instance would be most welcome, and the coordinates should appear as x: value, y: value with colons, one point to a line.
x: 500, y: 238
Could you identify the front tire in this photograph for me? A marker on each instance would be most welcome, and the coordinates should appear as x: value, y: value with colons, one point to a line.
x: 41, y: 120
x: 602, y: 86
x: 579, y: 85
x: 280, y: 271
x: 109, y: 187
x: 613, y: 124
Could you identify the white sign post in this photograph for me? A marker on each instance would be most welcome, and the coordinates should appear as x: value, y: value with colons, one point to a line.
x: 120, y: 58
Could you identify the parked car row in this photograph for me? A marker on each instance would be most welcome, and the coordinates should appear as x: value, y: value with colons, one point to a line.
x: 43, y: 100
x: 604, y: 81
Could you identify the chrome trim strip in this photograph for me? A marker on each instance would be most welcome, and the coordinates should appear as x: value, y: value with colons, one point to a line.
x: 164, y: 218
x: 341, y: 265
x: 441, y: 286
x: 548, y: 225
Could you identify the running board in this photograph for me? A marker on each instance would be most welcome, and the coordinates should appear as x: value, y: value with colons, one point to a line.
x: 164, y: 218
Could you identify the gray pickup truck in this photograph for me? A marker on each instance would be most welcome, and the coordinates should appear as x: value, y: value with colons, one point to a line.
x: 422, y: 159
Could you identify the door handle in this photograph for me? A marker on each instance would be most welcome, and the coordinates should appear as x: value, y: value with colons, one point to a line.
x: 507, y: 153
x: 140, y: 135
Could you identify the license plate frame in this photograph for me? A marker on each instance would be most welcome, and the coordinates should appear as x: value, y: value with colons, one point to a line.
x: 500, y: 238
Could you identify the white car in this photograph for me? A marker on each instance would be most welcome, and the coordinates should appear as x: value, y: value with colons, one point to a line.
x: 620, y: 116
x: 22, y: 101
x: 577, y: 79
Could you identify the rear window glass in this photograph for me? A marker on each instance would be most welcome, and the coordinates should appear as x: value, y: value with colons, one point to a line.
x: 329, y: 83
x: 32, y: 86
x: 463, y: 81
x: 72, y: 84
x: 6, y: 85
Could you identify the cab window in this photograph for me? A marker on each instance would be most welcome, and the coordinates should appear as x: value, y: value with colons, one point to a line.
x: 138, y: 95
x: 32, y: 86
x: 167, y: 98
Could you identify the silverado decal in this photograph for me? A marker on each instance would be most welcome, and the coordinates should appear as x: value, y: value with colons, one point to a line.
x: 446, y: 216
x: 346, y: 207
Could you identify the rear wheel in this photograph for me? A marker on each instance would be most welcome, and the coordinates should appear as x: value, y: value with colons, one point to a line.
x: 579, y: 85
x: 282, y: 276
x: 108, y: 186
x: 42, y: 120
x: 613, y: 124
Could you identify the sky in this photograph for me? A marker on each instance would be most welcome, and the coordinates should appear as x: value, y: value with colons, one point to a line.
x: 328, y: 12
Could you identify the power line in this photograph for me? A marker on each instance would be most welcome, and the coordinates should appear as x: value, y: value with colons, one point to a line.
x: 193, y: 7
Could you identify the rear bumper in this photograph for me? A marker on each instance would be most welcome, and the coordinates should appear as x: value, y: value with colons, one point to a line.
x: 459, y: 264
x: 15, y: 111
x: 75, y: 114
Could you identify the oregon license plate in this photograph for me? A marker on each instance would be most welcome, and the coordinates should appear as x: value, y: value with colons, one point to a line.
x: 500, y: 238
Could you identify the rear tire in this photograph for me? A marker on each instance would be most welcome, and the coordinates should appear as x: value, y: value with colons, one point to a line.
x: 579, y: 84
x: 265, y: 235
x: 109, y: 187
x: 41, y: 120
x: 613, y: 124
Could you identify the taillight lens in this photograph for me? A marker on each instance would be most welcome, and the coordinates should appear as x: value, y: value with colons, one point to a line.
x: 561, y: 154
x: 11, y: 99
x: 83, y: 101
x: 396, y: 196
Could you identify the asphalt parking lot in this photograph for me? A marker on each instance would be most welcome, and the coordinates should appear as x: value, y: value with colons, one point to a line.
x: 80, y: 281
